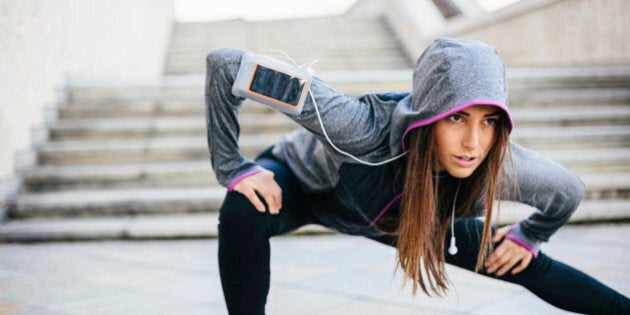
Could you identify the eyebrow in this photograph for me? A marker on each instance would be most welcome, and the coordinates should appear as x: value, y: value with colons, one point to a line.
x: 497, y: 112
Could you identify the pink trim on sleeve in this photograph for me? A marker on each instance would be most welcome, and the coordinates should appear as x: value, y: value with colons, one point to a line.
x: 240, y: 178
x: 511, y: 226
x: 522, y: 243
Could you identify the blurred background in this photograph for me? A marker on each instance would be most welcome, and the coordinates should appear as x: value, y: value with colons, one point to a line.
x: 102, y: 116
x: 102, y: 130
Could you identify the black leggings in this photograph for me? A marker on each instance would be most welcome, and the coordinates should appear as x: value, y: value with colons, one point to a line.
x: 244, y: 255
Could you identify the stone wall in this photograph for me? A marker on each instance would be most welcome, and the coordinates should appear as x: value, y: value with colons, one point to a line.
x: 542, y: 32
x: 46, y: 43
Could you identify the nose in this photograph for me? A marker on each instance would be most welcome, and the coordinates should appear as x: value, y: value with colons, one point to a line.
x: 470, y: 139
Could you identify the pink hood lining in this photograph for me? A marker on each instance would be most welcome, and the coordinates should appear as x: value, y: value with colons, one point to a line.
x: 452, y: 111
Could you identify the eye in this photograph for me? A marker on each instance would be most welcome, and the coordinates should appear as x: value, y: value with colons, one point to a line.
x: 455, y: 117
x: 492, y: 121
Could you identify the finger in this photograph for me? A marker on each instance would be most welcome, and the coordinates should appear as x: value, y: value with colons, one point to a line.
x: 270, y: 200
x: 276, y: 194
x: 508, y: 265
x: 501, y: 233
x: 496, y: 258
x: 269, y: 190
x: 524, y: 263
x: 253, y: 198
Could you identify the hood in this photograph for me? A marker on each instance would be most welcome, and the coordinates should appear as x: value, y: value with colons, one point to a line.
x: 450, y: 75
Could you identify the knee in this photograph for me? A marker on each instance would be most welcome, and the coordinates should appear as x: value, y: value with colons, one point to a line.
x: 222, y: 57
x: 238, y: 215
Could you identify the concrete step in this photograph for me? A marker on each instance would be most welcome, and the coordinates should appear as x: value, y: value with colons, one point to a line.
x: 551, y: 137
x: 361, y: 61
x: 140, y: 150
x: 174, y: 148
x: 567, y: 81
x: 332, y: 39
x: 592, y: 160
x: 577, y: 96
x: 127, y: 109
x: 559, y: 115
x: 183, y: 88
x: 349, y: 63
x: 204, y: 198
x: 127, y: 128
x: 173, y: 226
x: 302, y: 53
x: 145, y: 227
x: 328, y: 25
x: 272, y: 39
x: 274, y: 122
x: 607, y: 185
x: 194, y: 105
x: 204, y: 225
x: 575, y: 77
x: 588, y: 211
x: 106, y: 176
x: 127, y: 201
x: 608, y: 161
x: 178, y: 88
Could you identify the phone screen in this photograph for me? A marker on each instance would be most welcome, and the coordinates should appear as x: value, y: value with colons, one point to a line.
x: 277, y: 85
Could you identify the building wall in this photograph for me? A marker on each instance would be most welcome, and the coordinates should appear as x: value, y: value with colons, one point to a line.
x: 46, y: 43
x: 570, y: 32
x: 539, y: 32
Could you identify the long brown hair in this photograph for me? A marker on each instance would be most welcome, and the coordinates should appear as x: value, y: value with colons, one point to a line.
x: 425, y: 210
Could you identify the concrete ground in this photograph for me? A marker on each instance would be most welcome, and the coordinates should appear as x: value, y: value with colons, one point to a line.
x: 326, y: 274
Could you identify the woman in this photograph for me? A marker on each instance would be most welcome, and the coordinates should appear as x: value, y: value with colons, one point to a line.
x: 453, y: 131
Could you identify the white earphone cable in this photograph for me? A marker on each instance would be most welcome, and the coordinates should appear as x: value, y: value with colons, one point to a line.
x: 344, y: 152
x: 308, y: 68
x: 453, y: 248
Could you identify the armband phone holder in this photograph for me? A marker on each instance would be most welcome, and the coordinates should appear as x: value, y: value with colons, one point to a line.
x: 272, y: 82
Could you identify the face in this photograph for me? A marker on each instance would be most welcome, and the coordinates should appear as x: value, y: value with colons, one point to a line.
x: 463, y: 140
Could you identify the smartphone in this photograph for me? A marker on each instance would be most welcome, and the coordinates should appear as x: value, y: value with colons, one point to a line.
x: 272, y: 82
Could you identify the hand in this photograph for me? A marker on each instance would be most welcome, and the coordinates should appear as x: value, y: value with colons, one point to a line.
x: 509, y: 255
x: 262, y: 185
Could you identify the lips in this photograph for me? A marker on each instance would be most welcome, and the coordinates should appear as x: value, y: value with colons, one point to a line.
x: 465, y: 160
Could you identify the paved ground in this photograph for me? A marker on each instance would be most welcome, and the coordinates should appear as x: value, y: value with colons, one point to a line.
x: 329, y: 274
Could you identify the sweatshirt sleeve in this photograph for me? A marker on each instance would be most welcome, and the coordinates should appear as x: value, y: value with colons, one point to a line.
x: 547, y: 186
x: 222, y: 127
x: 354, y: 125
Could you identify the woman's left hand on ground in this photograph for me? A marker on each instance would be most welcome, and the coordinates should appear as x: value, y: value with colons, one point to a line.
x: 509, y: 255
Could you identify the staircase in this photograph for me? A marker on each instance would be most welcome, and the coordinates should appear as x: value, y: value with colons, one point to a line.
x: 130, y: 162
x: 341, y: 43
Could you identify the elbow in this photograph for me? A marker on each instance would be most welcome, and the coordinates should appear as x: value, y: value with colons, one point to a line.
x: 219, y: 58
x: 577, y: 189
x: 572, y: 192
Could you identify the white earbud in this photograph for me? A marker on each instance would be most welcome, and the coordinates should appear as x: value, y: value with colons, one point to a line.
x: 452, y: 249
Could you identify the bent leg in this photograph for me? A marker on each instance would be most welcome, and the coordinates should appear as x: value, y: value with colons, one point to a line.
x: 556, y: 283
x: 244, y: 234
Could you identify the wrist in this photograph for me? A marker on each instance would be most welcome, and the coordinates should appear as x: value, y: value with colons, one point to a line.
x: 516, y: 235
x: 239, y: 178
x: 523, y: 244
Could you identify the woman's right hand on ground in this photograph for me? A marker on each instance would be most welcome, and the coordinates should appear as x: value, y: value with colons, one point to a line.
x: 262, y: 185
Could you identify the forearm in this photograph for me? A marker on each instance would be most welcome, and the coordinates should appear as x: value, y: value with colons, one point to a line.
x: 222, y: 117
x: 549, y: 187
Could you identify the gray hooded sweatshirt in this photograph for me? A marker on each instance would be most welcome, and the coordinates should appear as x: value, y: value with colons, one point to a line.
x: 449, y: 76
